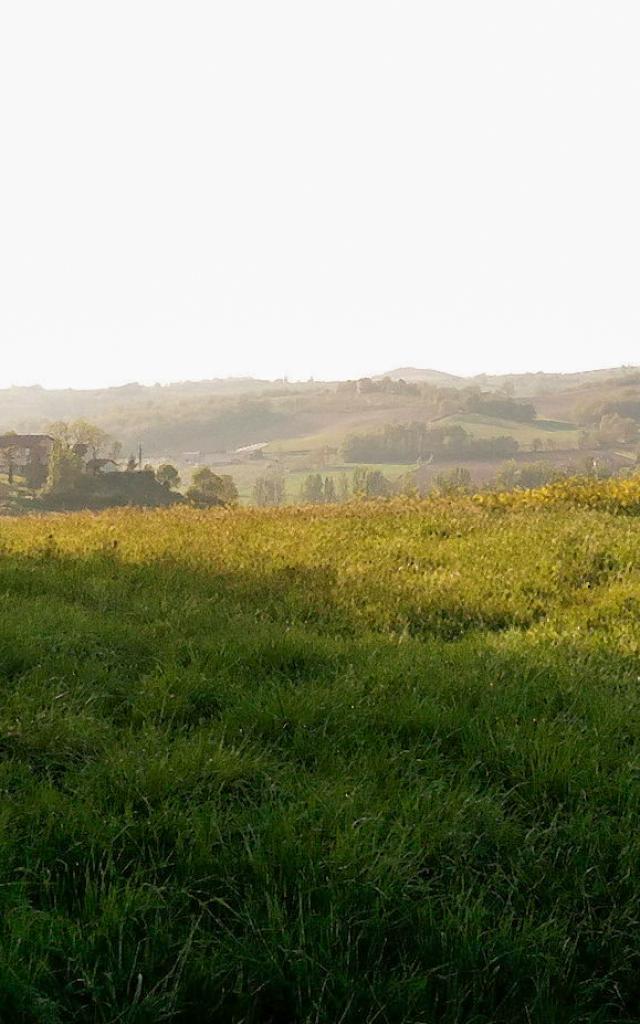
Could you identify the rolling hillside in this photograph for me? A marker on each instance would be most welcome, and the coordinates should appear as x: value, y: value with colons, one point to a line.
x: 218, y: 416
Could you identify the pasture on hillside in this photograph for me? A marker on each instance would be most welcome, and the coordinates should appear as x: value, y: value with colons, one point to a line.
x: 368, y: 763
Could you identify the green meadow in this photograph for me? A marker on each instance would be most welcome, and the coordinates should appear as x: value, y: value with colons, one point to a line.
x: 369, y: 764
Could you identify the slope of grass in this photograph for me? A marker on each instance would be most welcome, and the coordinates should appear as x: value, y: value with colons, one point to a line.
x: 366, y: 764
x: 563, y: 434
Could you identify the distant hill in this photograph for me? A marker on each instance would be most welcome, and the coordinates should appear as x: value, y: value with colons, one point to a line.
x: 523, y: 384
x: 436, y: 377
x: 212, y: 416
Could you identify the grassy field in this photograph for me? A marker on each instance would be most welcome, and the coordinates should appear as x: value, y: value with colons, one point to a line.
x: 245, y: 475
x: 376, y: 763
x: 562, y: 434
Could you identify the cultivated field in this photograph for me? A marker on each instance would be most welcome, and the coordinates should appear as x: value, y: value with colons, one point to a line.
x: 370, y: 763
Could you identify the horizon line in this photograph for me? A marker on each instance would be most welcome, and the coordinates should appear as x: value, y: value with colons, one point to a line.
x: 239, y: 377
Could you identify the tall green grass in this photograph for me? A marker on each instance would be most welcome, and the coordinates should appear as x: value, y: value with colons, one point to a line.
x: 370, y: 764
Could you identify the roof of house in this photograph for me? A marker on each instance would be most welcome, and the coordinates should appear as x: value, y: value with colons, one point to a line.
x: 99, y: 463
x: 23, y: 440
x: 252, y: 448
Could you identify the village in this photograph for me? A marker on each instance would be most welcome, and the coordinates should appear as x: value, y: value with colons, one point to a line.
x: 78, y: 465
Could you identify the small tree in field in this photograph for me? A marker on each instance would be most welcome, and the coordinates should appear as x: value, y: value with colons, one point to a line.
x: 359, y: 482
x: 377, y: 485
x: 343, y: 487
x: 208, y: 489
x: 458, y: 481
x: 312, y: 492
x: 269, y: 490
x: 168, y: 475
x: 329, y: 496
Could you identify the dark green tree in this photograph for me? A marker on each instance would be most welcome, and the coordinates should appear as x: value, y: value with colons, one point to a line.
x: 312, y: 492
x: 209, y: 489
x: 168, y: 475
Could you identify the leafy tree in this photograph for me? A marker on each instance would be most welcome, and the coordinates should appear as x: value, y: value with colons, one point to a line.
x: 370, y: 483
x: 312, y: 492
x: 343, y: 487
x: 359, y: 482
x: 168, y: 475
x: 330, y: 496
x: 458, y: 481
x: 527, y: 475
x: 82, y: 432
x: 60, y: 431
x: 132, y: 464
x: 377, y: 485
x: 66, y: 469
x: 269, y: 490
x: 407, y: 486
x: 87, y: 433
x: 209, y: 489
x: 614, y: 427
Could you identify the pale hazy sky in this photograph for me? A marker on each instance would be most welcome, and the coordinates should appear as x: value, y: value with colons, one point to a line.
x: 327, y: 187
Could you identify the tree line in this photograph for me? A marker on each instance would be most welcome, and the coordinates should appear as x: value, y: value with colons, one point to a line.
x: 415, y: 442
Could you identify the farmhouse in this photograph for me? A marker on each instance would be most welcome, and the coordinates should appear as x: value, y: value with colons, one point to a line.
x: 96, y: 466
x: 252, y: 451
x: 29, y: 455
x: 25, y: 453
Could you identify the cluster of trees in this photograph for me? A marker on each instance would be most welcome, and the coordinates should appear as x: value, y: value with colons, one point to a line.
x: 84, y: 437
x: 591, y: 413
x: 317, y: 490
x: 499, y: 406
x: 364, y: 483
x: 371, y: 483
x: 456, y: 481
x: 527, y: 475
x: 383, y: 386
x: 269, y: 490
x: 611, y: 429
x: 415, y: 442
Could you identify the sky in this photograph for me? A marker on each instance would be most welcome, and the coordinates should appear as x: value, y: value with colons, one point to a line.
x: 201, y: 189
